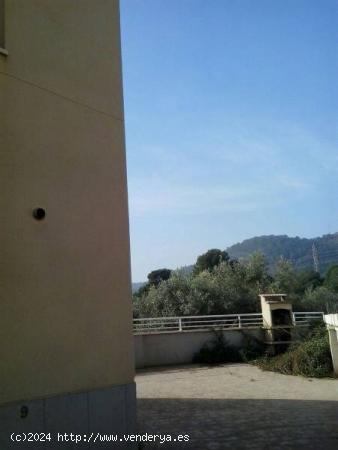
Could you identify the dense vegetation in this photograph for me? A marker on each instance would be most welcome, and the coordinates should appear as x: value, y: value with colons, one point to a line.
x: 310, y: 358
x: 219, y: 351
x: 221, y: 285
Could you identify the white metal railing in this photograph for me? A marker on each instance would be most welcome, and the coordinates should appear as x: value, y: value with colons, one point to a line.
x: 303, y: 318
x: 196, y: 323
x: 220, y: 322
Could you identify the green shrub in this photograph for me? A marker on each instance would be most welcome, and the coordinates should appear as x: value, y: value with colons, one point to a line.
x: 281, y: 363
x: 313, y: 357
x: 310, y: 358
x: 217, y: 351
x: 251, y: 348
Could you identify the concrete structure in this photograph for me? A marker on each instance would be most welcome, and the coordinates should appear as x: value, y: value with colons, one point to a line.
x: 66, y: 353
x: 331, y: 321
x: 270, y: 303
x: 278, y: 320
x: 161, y: 349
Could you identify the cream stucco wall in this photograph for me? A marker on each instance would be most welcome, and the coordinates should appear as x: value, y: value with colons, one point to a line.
x: 161, y: 349
x: 65, y: 298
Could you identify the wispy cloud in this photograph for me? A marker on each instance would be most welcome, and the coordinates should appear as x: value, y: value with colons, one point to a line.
x: 156, y: 196
x: 293, y: 183
x: 243, y: 150
x: 237, y: 172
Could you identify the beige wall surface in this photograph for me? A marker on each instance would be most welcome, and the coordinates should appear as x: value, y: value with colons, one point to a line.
x: 160, y: 349
x: 69, y: 47
x: 65, y: 298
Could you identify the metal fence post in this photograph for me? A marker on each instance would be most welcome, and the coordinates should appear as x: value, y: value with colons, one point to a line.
x: 239, y: 322
x: 180, y: 324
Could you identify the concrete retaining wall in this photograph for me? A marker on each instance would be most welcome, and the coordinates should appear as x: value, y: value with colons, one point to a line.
x: 331, y: 321
x: 179, y: 348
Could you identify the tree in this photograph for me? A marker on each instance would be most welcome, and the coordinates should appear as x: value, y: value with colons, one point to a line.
x: 154, y: 279
x: 307, y: 279
x: 257, y: 269
x: 320, y: 299
x: 169, y: 298
x: 331, y: 279
x: 210, y: 259
x: 156, y: 276
x: 234, y: 293
x: 223, y: 286
x: 285, y: 277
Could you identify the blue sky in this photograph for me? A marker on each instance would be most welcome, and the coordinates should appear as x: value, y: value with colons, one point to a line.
x: 231, y: 111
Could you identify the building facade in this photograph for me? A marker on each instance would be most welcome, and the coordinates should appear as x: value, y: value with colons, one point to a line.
x: 66, y: 345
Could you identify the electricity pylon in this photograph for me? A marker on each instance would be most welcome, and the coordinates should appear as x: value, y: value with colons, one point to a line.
x: 315, y: 258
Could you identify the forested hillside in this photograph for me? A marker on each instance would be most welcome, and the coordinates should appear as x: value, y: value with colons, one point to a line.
x: 299, y: 251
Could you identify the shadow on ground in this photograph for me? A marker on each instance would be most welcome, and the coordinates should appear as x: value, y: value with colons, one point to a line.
x: 241, y: 424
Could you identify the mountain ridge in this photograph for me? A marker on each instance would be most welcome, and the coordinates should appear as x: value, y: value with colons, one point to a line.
x: 302, y: 252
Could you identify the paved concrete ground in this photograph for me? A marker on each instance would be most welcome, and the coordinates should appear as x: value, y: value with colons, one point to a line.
x: 237, y: 406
